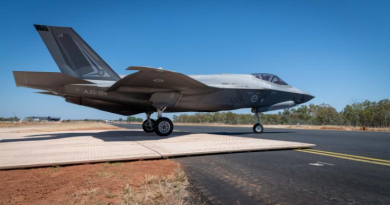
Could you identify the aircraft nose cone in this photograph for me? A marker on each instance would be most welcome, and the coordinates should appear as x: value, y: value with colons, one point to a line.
x: 306, y: 97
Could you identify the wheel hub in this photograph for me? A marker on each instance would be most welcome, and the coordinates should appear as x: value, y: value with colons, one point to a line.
x: 164, y: 127
x: 149, y: 125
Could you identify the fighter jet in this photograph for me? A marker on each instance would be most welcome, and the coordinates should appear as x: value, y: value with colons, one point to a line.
x: 87, y: 80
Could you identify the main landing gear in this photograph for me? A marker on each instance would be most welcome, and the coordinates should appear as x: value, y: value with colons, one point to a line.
x: 258, y: 128
x: 162, y: 126
x: 148, y: 124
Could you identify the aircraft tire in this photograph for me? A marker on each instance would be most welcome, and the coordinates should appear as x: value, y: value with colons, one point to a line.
x: 258, y: 128
x: 147, y: 128
x: 163, y: 126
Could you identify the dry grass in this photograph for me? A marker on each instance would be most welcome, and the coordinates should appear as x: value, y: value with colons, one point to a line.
x: 158, y: 190
x: 105, y: 174
x: 55, y: 126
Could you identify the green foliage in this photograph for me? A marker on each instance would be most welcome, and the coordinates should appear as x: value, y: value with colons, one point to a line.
x: 217, y: 117
x: 54, y: 169
x: 369, y: 114
x: 12, y: 119
x: 134, y: 119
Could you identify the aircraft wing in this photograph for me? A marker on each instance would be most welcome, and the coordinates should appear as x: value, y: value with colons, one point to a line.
x: 152, y: 80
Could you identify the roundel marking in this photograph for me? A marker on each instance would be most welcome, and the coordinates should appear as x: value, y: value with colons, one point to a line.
x: 101, y: 72
x: 254, y: 98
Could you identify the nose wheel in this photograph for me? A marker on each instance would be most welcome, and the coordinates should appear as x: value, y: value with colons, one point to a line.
x: 258, y: 127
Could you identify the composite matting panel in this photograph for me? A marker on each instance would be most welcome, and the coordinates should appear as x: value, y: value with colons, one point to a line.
x: 18, y: 150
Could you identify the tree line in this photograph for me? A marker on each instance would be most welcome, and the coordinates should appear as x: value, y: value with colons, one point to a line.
x: 133, y: 119
x: 16, y: 119
x: 367, y: 114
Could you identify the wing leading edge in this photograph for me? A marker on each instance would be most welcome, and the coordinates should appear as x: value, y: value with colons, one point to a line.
x: 156, y: 80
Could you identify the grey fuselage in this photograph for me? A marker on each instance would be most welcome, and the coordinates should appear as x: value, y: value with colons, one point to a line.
x: 225, y: 92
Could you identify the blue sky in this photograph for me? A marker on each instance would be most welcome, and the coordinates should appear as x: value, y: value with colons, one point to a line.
x: 337, y: 50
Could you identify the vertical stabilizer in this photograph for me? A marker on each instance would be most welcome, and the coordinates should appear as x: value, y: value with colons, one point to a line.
x: 73, y: 55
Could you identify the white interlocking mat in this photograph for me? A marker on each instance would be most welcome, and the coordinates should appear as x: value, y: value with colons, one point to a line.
x: 21, y: 150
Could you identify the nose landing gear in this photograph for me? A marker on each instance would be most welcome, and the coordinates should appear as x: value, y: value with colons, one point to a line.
x: 258, y: 127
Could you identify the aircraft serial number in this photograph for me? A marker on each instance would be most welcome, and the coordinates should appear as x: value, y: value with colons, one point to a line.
x: 95, y: 92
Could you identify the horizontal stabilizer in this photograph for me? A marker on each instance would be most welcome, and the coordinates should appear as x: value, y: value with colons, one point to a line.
x: 45, y: 80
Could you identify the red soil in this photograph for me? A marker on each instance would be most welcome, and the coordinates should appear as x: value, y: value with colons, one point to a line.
x: 79, y: 184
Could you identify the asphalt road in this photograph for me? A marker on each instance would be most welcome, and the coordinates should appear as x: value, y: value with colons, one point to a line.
x: 355, y: 169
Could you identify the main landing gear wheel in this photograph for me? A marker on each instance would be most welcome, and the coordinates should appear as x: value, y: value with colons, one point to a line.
x: 163, y: 126
x: 258, y: 128
x: 147, y: 126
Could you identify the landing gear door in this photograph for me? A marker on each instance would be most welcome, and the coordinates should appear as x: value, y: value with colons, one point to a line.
x: 165, y: 99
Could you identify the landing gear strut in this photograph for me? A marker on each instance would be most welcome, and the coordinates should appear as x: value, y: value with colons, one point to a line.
x: 258, y: 128
x: 163, y: 125
x: 148, y: 124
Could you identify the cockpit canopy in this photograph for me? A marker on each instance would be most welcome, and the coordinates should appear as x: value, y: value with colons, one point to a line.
x: 270, y: 78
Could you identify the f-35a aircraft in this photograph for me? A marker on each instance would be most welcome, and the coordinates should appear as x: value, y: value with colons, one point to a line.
x: 87, y: 80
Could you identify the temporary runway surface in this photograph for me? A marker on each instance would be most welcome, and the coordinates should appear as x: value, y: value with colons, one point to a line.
x: 20, y: 150
x: 344, y: 168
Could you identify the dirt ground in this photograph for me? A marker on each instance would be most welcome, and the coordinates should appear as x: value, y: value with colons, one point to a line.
x: 137, y: 182
x: 55, y: 126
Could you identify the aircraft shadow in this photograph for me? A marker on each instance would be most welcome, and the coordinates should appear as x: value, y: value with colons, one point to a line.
x: 131, y: 135
x: 107, y: 136
x: 244, y: 133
